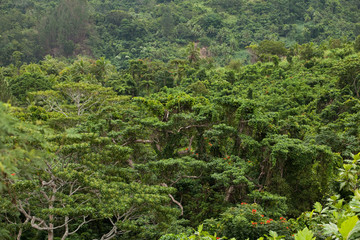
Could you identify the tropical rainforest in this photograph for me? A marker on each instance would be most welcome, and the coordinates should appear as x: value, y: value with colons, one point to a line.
x: 179, y: 120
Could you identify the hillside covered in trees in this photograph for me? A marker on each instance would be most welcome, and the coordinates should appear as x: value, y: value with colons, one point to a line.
x: 160, y: 29
x: 160, y: 147
x: 148, y: 119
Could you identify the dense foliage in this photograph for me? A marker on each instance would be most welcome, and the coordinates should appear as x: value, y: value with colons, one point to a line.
x: 160, y: 29
x: 148, y: 119
x: 158, y: 147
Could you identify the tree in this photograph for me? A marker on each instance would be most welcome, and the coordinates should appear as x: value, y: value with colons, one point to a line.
x: 74, y: 98
x: 81, y: 185
x: 65, y: 27
x: 29, y: 81
x: 193, y: 52
x: 348, y: 71
x: 266, y: 49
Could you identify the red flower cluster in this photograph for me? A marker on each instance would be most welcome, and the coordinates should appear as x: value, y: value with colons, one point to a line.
x: 254, y: 211
x: 243, y: 203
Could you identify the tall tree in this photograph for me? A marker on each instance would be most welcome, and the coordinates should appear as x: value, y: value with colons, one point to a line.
x: 66, y: 27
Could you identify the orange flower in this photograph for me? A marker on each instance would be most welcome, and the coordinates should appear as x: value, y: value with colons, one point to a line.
x: 262, y: 215
x: 254, y: 211
x: 268, y: 221
x: 254, y: 223
x: 13, y: 174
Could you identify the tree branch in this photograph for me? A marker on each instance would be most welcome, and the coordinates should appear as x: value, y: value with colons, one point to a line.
x: 177, y: 203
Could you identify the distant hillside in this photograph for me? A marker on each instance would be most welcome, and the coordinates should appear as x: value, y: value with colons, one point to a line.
x: 127, y: 29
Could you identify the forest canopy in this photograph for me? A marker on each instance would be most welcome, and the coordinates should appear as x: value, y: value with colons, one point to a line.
x: 178, y: 120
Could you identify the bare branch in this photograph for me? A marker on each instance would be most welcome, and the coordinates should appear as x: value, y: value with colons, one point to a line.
x: 41, y: 225
x: 228, y: 193
x: 137, y: 141
x: 191, y: 126
x: 177, y: 203
x: 21, y: 229
x: 81, y: 224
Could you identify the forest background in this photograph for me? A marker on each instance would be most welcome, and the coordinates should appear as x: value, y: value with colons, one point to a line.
x: 144, y: 119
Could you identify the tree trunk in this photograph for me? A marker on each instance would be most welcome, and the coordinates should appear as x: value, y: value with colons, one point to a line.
x: 51, y: 217
x: 51, y: 232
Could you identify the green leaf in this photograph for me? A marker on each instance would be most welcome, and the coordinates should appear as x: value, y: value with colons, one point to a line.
x: 305, y: 234
x: 200, y: 228
x: 330, y: 229
x: 355, y: 232
x: 318, y: 207
x: 357, y: 157
x: 347, y: 226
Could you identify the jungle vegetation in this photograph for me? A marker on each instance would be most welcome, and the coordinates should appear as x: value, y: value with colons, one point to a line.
x: 179, y: 120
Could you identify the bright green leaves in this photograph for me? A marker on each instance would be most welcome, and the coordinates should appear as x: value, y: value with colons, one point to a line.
x: 305, y: 234
x: 349, y: 229
x: 318, y: 207
x: 348, y: 175
x: 200, y: 234
x: 347, y: 226
x: 274, y: 236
